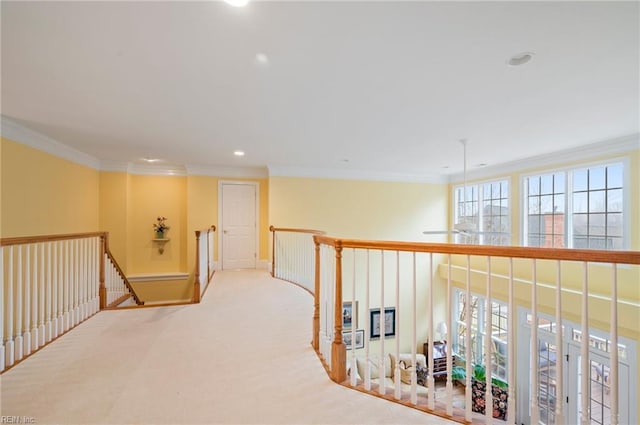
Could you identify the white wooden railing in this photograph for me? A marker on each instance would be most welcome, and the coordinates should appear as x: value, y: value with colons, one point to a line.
x: 51, y: 284
x: 205, y: 261
x: 293, y: 256
x: 418, y: 280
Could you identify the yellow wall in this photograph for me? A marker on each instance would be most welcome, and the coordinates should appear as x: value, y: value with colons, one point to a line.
x: 369, y: 210
x: 153, y: 196
x: 358, y: 209
x: 114, y: 214
x: 43, y: 194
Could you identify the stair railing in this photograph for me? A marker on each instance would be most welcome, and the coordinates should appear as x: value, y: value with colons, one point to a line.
x: 293, y: 256
x: 205, y: 261
x: 399, y: 282
x: 50, y: 284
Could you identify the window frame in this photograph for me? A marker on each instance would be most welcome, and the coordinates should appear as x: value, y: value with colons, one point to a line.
x: 481, y: 239
x: 568, y: 203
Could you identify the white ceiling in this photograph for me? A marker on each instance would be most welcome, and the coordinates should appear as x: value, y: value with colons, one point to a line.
x: 381, y: 87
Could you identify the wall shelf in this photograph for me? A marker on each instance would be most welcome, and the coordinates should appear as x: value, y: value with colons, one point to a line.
x: 161, y: 243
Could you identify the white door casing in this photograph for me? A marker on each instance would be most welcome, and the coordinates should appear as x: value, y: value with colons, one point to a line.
x: 238, y: 221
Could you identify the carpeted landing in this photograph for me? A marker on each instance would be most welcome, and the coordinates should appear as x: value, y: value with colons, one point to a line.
x: 242, y: 356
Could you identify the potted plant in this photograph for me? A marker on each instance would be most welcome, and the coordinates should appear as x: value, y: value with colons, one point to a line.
x: 499, y: 390
x: 160, y: 227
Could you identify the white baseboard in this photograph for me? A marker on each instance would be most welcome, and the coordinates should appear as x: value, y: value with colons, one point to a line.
x: 263, y: 265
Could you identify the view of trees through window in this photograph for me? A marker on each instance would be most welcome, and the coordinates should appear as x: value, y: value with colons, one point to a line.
x: 499, y: 331
x: 486, y: 207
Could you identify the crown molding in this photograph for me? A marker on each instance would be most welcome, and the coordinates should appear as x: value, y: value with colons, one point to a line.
x: 156, y: 170
x: 328, y: 173
x: 238, y: 172
x: 26, y: 136
x: 581, y: 153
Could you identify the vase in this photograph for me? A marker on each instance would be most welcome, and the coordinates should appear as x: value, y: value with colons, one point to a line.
x: 159, y: 235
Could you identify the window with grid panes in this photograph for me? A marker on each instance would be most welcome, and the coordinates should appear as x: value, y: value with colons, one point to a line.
x: 486, y: 207
x: 591, y: 216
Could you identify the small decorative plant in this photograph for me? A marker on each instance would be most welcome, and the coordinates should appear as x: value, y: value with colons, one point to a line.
x: 160, y: 226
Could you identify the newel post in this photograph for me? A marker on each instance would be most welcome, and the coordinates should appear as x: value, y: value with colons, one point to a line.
x: 338, y: 349
x: 196, y: 284
x: 102, y: 289
x: 273, y: 250
x: 315, y: 342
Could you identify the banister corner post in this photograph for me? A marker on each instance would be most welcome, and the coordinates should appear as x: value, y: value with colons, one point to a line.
x: 102, y: 290
x: 273, y: 250
x: 196, y: 283
x: 338, y: 348
x: 316, y: 298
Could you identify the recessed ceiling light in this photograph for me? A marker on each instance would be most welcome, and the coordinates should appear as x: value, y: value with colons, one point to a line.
x: 520, y: 59
x: 237, y: 3
x: 150, y: 160
x: 262, y: 59
x: 238, y: 153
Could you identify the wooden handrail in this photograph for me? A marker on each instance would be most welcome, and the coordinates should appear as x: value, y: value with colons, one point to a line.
x: 122, y: 275
x: 567, y: 254
x: 48, y: 238
x: 294, y: 230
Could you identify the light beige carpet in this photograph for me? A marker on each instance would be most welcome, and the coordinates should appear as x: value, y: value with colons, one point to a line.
x: 242, y: 356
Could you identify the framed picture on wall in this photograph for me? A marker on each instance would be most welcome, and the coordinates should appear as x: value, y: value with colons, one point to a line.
x: 349, y: 314
x: 389, y: 324
x: 347, y: 338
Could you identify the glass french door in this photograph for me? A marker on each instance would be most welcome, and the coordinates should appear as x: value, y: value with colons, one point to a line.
x: 598, y: 408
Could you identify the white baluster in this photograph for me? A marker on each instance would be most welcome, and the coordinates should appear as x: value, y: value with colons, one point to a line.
x: 559, y: 412
x: 449, y: 343
x: 381, y: 367
x: 430, y: 339
x: 511, y: 351
x: 67, y: 287
x: 59, y: 298
x: 488, y: 403
x: 9, y: 303
x: 19, y: 307
x: 613, y: 371
x: 414, y: 332
x: 76, y: 282
x: 354, y: 320
x: 27, y: 288
x: 367, y: 327
x: 535, y: 362
x: 41, y: 298
x: 396, y: 372
x: 467, y: 354
x: 49, y: 294
x: 34, y: 298
x: 585, y: 381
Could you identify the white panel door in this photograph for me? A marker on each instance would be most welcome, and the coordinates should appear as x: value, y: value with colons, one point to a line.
x: 239, y: 226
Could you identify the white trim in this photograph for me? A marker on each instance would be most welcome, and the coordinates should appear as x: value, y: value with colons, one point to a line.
x: 23, y: 135
x: 328, y: 173
x: 591, y: 151
x: 149, y: 277
x: 235, y: 172
x: 263, y: 265
x: 156, y: 170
